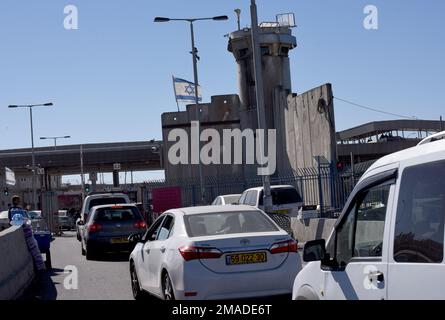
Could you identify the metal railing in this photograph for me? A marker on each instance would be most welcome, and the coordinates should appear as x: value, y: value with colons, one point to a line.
x: 327, y: 186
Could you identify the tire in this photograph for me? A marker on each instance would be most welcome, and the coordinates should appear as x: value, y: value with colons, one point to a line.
x: 90, y: 254
x: 48, y: 263
x: 138, y: 294
x: 167, y: 288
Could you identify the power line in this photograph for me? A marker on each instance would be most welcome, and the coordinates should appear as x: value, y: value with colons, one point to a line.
x: 377, y: 110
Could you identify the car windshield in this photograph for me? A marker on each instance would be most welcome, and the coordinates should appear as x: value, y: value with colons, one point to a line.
x: 231, y: 199
x: 39, y: 225
x: 105, y: 201
x: 209, y: 224
x: 117, y: 214
x: 283, y: 196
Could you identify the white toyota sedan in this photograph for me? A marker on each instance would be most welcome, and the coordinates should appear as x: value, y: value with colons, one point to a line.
x: 214, y: 252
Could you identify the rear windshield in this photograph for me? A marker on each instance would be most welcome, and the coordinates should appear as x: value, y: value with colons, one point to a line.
x: 231, y: 199
x: 117, y: 214
x: 283, y: 196
x: 209, y: 224
x: 105, y: 201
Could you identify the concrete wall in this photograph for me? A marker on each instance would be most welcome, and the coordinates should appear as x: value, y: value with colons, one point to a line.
x: 312, y: 229
x: 310, y: 127
x: 222, y: 113
x: 16, y: 267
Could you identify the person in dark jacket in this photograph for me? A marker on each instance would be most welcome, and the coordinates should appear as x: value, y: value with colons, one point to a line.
x: 16, y: 208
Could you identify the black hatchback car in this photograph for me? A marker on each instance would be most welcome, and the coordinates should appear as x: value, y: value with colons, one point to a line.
x: 108, y: 228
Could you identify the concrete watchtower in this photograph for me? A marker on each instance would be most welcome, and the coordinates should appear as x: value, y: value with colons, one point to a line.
x: 276, y: 41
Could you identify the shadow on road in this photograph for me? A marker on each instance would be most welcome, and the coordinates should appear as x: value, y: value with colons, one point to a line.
x: 113, y: 257
x: 43, y: 287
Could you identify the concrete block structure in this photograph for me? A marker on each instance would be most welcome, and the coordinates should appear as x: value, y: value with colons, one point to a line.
x: 304, y: 124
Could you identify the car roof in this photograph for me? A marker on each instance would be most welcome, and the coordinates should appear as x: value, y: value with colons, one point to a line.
x: 272, y: 187
x: 114, y: 205
x: 106, y: 195
x: 213, y: 209
x: 418, y: 151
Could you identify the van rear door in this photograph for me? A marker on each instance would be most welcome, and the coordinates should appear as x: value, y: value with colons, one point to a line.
x: 416, y: 269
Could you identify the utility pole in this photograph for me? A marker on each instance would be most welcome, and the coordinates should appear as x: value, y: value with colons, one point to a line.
x: 195, y: 75
x: 82, y: 178
x: 260, y: 99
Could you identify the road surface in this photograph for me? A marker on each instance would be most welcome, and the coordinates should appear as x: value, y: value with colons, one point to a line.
x: 107, y: 279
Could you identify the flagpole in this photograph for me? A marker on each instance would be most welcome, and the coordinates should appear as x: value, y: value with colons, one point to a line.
x: 174, y: 89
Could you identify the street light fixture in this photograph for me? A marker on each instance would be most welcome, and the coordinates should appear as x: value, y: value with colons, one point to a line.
x: 30, y: 106
x: 195, y: 72
x: 55, y: 139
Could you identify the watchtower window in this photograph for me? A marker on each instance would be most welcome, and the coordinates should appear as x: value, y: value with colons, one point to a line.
x: 265, y: 51
x: 285, y: 51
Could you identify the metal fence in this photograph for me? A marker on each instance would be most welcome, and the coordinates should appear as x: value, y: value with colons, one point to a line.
x: 326, y: 186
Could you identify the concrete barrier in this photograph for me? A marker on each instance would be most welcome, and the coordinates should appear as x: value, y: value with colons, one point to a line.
x: 312, y: 229
x: 16, y: 266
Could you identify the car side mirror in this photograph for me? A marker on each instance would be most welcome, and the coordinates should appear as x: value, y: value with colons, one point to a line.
x: 135, y: 238
x: 314, y: 250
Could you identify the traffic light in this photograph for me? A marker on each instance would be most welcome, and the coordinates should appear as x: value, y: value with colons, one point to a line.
x: 6, y: 192
x: 340, y: 166
x: 87, y: 188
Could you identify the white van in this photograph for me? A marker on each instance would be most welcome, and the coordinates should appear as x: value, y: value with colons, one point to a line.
x: 285, y: 199
x: 388, y: 242
x: 94, y: 200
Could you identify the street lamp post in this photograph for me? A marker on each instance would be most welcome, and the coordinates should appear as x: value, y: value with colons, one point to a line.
x: 55, y: 139
x: 30, y: 106
x: 261, y: 113
x: 195, y: 74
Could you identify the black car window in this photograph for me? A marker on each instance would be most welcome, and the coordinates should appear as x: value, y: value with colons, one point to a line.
x: 152, y: 232
x: 117, y: 214
x: 167, y: 226
x: 360, y: 233
x: 283, y: 196
x: 419, y: 229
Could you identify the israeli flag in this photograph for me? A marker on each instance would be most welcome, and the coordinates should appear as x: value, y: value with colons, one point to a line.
x: 185, y: 91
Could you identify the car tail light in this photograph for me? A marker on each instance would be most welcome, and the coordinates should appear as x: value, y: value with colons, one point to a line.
x: 193, y: 253
x: 140, y: 224
x: 190, y: 294
x: 285, y: 246
x: 95, y: 227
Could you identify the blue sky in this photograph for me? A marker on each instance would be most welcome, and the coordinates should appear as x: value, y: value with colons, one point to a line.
x: 111, y: 79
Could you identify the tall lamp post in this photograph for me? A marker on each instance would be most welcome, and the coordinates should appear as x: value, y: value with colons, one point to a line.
x: 55, y: 139
x: 195, y: 72
x: 30, y: 106
x: 261, y: 111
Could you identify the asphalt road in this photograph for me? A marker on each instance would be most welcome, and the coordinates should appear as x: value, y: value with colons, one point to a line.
x: 104, y: 279
x: 107, y: 279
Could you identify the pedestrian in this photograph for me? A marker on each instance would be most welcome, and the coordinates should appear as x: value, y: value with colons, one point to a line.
x: 16, y: 208
x: 31, y: 242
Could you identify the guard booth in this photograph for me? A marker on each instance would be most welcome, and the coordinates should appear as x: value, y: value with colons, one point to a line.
x: 50, y: 210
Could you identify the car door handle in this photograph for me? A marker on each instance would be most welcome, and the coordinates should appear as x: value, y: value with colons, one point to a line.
x: 376, y: 276
x: 163, y: 249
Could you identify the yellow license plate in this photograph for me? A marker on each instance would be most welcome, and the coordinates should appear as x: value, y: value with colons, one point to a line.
x: 119, y: 240
x: 246, y: 258
x: 281, y: 211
